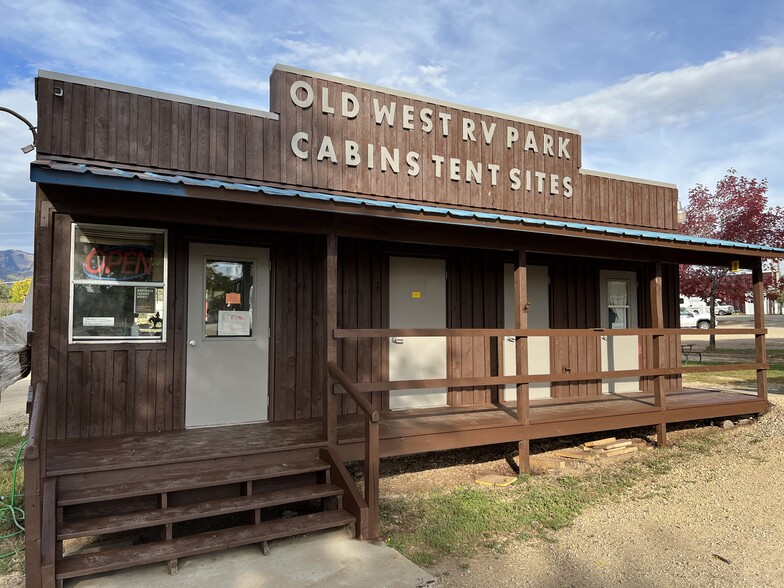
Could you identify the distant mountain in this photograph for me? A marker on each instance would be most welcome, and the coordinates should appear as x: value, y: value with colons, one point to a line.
x: 15, y: 265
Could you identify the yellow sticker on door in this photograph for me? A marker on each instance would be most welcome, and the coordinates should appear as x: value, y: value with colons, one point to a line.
x: 416, y: 294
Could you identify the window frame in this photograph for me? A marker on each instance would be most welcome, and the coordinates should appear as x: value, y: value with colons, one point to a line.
x: 72, y: 283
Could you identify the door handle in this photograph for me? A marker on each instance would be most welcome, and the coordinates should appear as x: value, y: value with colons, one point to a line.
x: 511, y: 338
x: 397, y: 340
x: 192, y: 343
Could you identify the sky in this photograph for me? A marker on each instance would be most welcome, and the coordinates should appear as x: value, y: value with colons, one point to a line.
x: 668, y: 90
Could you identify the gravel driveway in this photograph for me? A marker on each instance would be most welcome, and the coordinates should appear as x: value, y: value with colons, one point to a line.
x: 714, y: 520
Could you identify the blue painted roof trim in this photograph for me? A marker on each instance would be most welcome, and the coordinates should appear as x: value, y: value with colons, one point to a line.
x: 81, y: 175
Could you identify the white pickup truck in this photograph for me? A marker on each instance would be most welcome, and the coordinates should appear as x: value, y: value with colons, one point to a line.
x: 694, y: 318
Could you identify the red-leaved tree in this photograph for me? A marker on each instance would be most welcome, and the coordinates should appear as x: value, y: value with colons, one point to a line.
x: 737, y: 210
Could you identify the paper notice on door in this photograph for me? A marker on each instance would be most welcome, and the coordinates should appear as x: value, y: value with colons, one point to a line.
x: 233, y: 323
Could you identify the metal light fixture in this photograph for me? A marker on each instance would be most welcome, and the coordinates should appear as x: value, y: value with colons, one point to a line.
x: 27, y: 148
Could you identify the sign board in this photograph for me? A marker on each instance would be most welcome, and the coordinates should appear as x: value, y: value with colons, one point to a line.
x: 143, y: 300
x: 348, y: 136
x: 233, y: 323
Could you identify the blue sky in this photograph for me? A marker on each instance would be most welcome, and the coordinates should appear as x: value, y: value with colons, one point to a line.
x: 674, y: 91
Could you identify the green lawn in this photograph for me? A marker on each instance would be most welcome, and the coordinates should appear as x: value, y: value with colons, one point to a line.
x: 11, y: 503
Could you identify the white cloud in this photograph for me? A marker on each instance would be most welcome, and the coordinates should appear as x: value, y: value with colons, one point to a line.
x: 753, y: 79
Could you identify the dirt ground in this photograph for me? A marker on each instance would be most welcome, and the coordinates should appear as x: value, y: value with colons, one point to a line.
x: 712, y: 521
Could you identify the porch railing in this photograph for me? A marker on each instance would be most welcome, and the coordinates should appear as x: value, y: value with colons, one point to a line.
x: 657, y: 368
x: 371, y: 465
x: 498, y: 380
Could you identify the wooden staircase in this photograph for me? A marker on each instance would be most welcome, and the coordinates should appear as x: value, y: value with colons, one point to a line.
x: 209, y: 508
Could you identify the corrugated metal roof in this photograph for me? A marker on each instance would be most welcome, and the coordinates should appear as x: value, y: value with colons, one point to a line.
x: 78, y: 174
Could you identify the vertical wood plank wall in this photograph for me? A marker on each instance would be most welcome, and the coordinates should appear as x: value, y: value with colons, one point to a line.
x: 113, y: 126
x: 105, y: 389
x: 475, y: 293
x: 297, y: 387
x: 574, y: 290
x: 362, y: 294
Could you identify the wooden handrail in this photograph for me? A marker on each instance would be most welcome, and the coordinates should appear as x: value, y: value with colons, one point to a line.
x: 383, y: 333
x: 37, y: 416
x: 352, y: 390
x: 535, y: 378
x: 371, y: 472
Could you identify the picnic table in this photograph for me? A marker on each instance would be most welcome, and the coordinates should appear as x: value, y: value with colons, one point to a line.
x: 687, y: 349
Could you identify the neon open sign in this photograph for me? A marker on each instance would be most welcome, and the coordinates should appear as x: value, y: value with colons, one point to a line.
x: 124, y: 262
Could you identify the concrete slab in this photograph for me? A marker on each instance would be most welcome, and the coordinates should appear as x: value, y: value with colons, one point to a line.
x: 323, y: 559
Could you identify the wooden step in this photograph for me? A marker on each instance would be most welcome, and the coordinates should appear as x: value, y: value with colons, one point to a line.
x: 200, y: 510
x: 202, y: 480
x: 115, y: 559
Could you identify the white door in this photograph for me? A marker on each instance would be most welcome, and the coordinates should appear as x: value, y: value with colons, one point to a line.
x: 538, y: 318
x: 228, y: 335
x: 417, y: 300
x: 618, y: 296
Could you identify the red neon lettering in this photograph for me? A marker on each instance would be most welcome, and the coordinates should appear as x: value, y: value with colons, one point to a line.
x: 88, y: 263
x: 148, y: 263
x: 128, y: 257
x: 115, y: 258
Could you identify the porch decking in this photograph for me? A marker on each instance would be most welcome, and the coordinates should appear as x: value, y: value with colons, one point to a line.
x: 401, y: 432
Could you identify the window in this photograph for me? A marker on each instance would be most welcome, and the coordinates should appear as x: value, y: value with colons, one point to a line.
x: 618, y: 303
x: 228, y: 294
x: 118, y: 279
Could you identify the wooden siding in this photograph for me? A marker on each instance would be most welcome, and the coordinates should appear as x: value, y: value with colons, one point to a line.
x: 362, y: 304
x: 475, y: 291
x: 128, y: 129
x: 574, y: 292
x: 298, y: 349
x: 103, y: 389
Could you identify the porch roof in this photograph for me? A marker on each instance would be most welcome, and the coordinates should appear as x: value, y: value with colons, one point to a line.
x: 113, y: 178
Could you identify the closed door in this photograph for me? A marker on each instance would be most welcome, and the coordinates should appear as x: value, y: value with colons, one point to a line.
x: 417, y: 299
x: 618, y: 296
x: 538, y: 318
x: 228, y: 335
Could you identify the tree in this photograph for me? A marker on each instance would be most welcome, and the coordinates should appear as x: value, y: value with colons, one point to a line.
x: 19, y: 290
x: 5, y: 292
x: 737, y: 210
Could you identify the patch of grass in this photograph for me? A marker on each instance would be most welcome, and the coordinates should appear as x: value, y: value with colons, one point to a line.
x: 11, y: 537
x: 740, y: 379
x: 8, y: 439
x: 459, y: 521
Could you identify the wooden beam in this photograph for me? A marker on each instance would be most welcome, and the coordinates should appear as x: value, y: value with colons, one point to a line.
x: 657, y: 322
x: 331, y: 323
x: 521, y: 355
x: 759, y: 323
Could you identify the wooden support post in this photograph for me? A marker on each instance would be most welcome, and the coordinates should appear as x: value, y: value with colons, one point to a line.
x: 759, y: 323
x: 372, y: 476
x: 661, y: 434
x: 167, y: 533
x: 48, y: 531
x: 331, y: 323
x: 521, y: 355
x: 657, y: 322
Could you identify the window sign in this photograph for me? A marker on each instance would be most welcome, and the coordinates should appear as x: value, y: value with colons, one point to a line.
x: 144, y: 300
x: 233, y: 323
x: 228, y: 296
x: 118, y: 285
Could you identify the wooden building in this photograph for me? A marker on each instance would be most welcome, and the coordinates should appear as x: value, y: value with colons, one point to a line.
x: 230, y: 304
